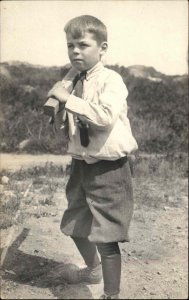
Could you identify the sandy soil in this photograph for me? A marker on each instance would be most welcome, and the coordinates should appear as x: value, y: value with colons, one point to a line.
x: 36, y: 255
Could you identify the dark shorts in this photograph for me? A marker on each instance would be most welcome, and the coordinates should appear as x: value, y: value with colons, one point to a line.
x: 100, y: 201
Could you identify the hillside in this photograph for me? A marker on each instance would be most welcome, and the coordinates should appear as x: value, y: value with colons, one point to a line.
x: 158, y: 108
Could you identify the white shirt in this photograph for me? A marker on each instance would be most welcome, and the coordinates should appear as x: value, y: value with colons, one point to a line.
x: 103, y: 107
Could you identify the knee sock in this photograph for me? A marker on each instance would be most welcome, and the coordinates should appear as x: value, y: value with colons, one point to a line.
x: 111, y: 267
x: 106, y: 249
x: 88, y: 251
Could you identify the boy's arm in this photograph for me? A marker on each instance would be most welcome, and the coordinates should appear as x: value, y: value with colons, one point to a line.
x: 54, y: 102
x: 111, y: 102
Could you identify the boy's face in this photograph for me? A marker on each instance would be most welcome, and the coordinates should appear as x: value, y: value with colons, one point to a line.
x: 84, y: 52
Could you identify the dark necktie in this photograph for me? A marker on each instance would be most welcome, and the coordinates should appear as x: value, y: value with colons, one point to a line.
x: 83, y: 128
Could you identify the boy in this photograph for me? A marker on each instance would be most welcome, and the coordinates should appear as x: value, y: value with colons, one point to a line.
x: 99, y: 191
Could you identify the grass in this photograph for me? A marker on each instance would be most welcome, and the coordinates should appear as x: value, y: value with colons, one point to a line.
x: 161, y: 166
x: 49, y: 170
x: 158, y: 181
x: 160, y: 192
x: 30, y: 191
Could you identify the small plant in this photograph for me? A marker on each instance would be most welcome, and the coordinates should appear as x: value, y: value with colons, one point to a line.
x: 6, y: 220
x: 47, y: 201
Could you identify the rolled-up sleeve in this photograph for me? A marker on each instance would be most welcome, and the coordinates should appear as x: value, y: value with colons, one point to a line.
x: 110, y: 103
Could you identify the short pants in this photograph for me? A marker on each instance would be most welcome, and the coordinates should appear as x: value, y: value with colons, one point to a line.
x: 100, y: 201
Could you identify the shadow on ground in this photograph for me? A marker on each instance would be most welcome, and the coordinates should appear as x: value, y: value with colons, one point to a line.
x: 42, y: 272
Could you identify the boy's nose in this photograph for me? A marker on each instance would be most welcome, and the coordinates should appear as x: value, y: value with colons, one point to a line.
x: 76, y: 50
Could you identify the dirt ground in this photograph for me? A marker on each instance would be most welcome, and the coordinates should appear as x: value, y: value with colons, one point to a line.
x: 36, y: 256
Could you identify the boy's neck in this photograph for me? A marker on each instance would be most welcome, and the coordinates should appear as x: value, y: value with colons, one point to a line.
x: 92, y: 68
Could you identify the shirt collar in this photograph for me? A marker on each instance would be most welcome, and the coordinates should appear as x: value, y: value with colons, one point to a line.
x: 95, y: 69
x: 72, y: 73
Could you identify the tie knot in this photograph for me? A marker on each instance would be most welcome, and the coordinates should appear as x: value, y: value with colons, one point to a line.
x: 82, y: 75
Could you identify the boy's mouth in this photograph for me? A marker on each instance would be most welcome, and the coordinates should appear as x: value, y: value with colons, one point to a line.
x: 77, y: 59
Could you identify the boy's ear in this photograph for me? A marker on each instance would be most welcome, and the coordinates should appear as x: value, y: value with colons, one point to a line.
x: 104, y: 47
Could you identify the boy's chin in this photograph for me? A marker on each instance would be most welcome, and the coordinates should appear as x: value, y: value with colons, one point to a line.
x: 81, y: 67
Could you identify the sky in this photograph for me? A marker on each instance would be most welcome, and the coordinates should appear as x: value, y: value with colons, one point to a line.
x: 142, y: 32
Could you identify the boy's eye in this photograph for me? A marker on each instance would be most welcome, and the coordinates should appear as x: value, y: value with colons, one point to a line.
x: 83, y: 45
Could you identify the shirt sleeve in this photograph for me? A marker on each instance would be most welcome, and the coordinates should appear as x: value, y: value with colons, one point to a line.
x: 110, y: 103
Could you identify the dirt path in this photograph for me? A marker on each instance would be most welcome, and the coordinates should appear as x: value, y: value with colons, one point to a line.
x: 154, y: 262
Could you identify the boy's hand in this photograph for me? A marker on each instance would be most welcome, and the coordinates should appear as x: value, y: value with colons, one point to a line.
x: 59, y: 92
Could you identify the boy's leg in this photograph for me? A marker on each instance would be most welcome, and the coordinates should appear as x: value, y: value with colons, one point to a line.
x: 111, y: 269
x: 93, y: 272
x: 88, y: 251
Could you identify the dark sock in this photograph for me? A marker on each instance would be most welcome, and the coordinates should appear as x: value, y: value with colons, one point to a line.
x: 88, y: 251
x: 111, y: 267
x: 111, y: 270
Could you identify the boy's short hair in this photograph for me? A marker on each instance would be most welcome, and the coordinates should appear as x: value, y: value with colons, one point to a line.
x: 86, y: 23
